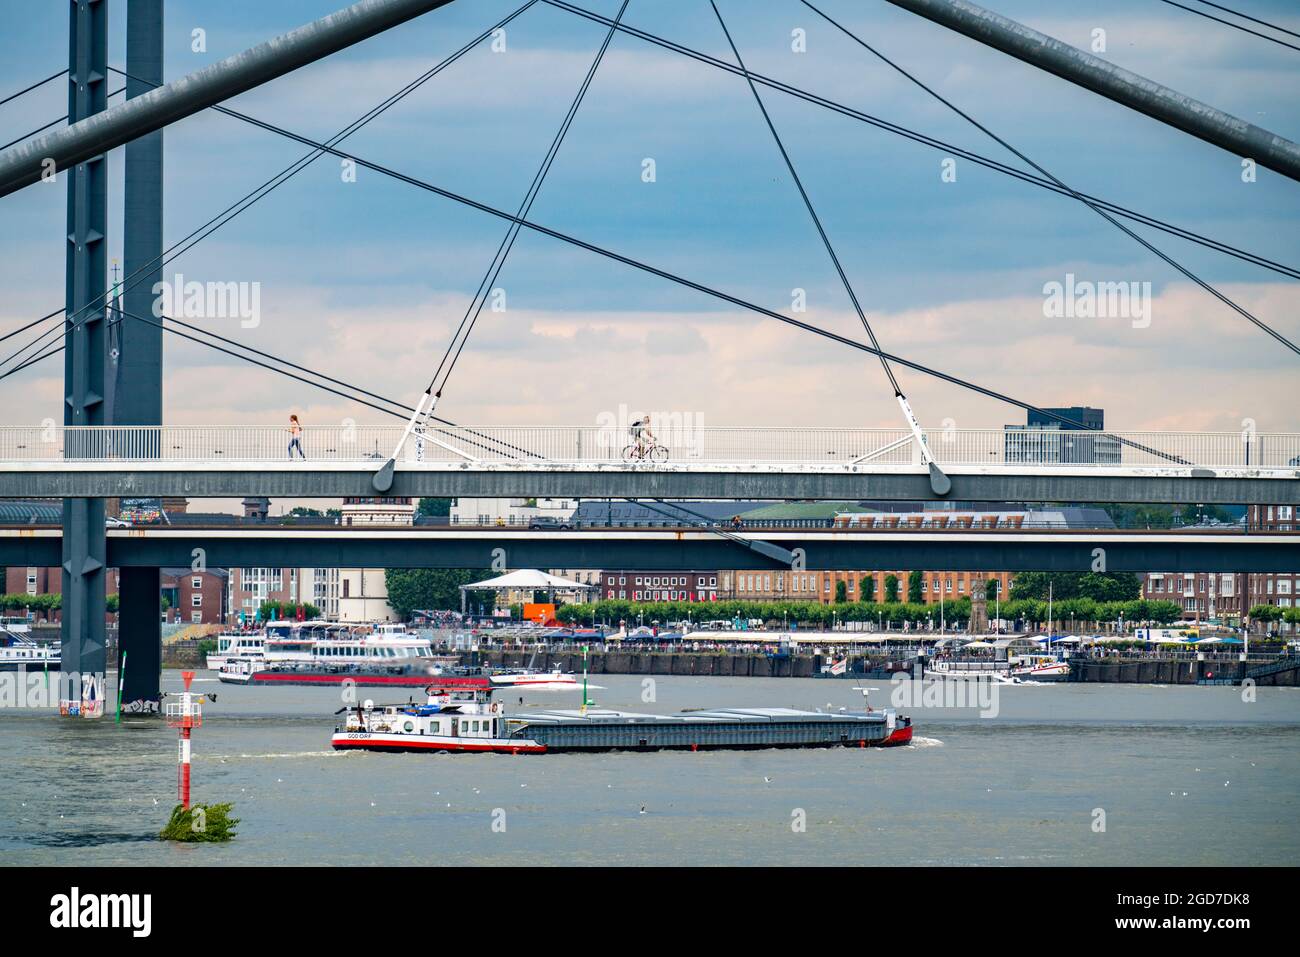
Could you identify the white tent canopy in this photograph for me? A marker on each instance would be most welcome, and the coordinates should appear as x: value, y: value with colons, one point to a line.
x: 525, y: 578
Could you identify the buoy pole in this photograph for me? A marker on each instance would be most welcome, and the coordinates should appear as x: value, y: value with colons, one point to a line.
x: 121, y: 673
x: 186, y: 716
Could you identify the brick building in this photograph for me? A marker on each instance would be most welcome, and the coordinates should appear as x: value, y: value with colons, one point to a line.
x: 659, y: 586
x: 197, y: 598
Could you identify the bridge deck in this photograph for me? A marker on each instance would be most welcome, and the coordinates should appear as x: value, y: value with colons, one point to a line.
x: 495, y: 461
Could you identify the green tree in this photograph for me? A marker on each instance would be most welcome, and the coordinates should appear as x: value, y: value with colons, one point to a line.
x: 1099, y: 586
x: 891, y: 589
x: 434, y: 506
x: 867, y: 588
x: 1265, y: 613
x: 914, y: 580
x: 410, y: 589
x: 841, y: 593
x: 991, y: 589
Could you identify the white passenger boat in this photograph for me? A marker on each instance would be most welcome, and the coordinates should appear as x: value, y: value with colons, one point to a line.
x: 535, y: 680
x: 245, y: 645
x: 321, y: 652
x: 19, y: 653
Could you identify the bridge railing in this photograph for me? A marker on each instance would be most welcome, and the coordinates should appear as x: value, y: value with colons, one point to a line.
x: 684, y: 445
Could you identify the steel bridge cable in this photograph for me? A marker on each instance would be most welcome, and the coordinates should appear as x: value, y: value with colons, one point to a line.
x: 28, y: 89
x: 1235, y: 26
x: 932, y: 142
x: 61, y: 119
x: 512, y: 232
x: 1246, y: 16
x: 294, y: 168
x: 680, y: 280
x: 803, y: 193
x: 1260, y: 324
x: 35, y: 322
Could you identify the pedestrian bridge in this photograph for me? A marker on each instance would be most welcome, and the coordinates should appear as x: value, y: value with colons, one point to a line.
x: 689, y: 462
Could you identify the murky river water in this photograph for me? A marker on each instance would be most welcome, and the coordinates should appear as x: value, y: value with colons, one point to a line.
x: 1183, y: 775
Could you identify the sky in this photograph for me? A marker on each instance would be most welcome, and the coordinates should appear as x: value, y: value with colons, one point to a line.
x: 366, y: 280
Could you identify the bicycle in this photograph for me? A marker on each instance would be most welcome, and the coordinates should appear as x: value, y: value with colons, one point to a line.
x: 645, y: 452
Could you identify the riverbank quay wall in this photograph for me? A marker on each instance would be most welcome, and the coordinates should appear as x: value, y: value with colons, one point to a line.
x: 1177, y: 671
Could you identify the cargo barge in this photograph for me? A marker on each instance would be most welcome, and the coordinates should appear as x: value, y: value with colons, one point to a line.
x: 457, y: 721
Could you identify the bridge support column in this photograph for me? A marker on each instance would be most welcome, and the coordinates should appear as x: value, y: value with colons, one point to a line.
x: 83, y: 656
x: 137, y: 392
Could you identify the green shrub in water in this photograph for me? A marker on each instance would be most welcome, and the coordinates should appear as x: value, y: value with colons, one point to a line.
x: 200, y: 822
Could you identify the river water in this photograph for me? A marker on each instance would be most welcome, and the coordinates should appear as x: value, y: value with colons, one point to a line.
x: 1064, y: 774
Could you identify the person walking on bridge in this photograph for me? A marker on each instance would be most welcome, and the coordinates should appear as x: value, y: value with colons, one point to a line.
x: 295, y: 437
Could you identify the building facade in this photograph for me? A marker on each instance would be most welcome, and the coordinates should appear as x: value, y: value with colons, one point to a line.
x: 195, y: 598
x: 647, y: 586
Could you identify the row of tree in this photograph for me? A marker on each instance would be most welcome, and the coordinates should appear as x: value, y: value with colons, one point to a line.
x: 807, y: 613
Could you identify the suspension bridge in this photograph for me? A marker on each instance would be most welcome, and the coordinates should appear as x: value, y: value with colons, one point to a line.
x: 112, y: 441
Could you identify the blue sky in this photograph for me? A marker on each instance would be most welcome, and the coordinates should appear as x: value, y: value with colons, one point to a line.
x: 365, y: 280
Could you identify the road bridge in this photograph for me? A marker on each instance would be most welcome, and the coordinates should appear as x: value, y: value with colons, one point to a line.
x: 674, y: 549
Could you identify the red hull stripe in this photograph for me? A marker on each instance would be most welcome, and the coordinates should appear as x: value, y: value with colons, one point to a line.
x: 411, y: 680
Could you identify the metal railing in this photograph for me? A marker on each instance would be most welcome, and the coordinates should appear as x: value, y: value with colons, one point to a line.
x: 684, y: 446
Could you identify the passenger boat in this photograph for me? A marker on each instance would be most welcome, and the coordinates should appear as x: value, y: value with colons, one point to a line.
x: 1040, y: 668
x: 459, y: 720
x: 328, y: 653
x: 959, y: 670
x: 19, y: 653
x: 535, y: 680
x: 246, y: 644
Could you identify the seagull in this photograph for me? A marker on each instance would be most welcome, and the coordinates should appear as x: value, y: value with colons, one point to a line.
x: 523, y: 785
x: 642, y: 811
x: 766, y: 779
x: 372, y: 803
x: 155, y: 802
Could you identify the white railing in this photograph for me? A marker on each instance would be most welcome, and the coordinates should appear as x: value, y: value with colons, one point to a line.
x: 545, y: 445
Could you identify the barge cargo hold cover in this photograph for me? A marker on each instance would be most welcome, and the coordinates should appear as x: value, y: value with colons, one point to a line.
x: 725, y: 728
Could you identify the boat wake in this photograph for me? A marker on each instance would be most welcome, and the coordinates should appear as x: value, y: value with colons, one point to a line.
x: 920, y: 742
x: 286, y: 754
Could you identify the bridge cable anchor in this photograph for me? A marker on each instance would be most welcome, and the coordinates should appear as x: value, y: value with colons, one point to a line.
x: 940, y: 484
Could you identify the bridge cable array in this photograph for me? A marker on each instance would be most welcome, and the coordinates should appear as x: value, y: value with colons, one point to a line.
x: 939, y: 483
x: 383, y: 479
x: 1238, y: 26
x: 933, y: 142
x: 850, y: 112
x: 1097, y: 209
x: 239, y: 206
x: 319, y: 149
x: 699, y: 287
